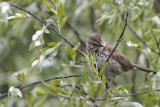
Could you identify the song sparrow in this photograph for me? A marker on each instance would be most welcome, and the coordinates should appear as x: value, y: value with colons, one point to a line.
x: 118, y: 62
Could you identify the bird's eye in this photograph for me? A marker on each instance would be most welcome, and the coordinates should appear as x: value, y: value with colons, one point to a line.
x: 94, y: 44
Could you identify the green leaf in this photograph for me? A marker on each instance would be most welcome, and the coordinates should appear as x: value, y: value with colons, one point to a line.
x: 54, y: 85
x: 60, y: 10
x: 31, y: 46
x: 72, y: 64
x: 54, y: 53
x: 103, y: 68
x: 40, y: 102
x: 37, y: 35
x: 40, y: 92
x: 37, y: 27
x: 136, y: 104
x: 84, y: 77
x: 46, y: 30
x: 72, y: 53
x: 128, y: 86
x: 104, y: 79
x: 35, y: 61
x: 52, y: 44
x: 48, y: 51
x: 21, y: 77
x: 86, y: 57
x: 115, y: 87
x: 14, y: 92
x: 56, y: 1
x: 62, y: 22
x: 52, y: 50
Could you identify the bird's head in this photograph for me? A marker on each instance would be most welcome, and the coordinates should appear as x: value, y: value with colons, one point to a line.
x: 93, y: 43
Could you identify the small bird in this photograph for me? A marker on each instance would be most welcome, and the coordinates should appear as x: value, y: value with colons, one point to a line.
x: 117, y: 63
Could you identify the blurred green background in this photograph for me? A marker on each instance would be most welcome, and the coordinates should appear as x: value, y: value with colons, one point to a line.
x: 141, y: 44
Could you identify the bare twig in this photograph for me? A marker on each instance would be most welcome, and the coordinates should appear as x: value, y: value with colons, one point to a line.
x: 75, y: 87
x: 75, y: 32
x: 158, y: 1
x: 92, y: 18
x: 51, y: 28
x: 128, y: 95
x: 80, y: 61
x: 79, y: 89
x: 118, y: 41
x: 157, y: 43
x: 119, y: 38
x: 68, y: 98
x: 134, y: 75
x: 69, y: 85
x: 139, y: 38
x: 38, y: 82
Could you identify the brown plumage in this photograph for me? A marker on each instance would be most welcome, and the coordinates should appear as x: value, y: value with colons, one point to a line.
x: 118, y: 62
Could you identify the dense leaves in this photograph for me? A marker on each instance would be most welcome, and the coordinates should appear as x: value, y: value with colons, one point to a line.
x: 31, y: 52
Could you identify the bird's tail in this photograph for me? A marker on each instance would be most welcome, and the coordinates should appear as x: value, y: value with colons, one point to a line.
x: 144, y: 69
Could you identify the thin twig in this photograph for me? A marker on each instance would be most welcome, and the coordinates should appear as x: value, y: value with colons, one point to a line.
x: 92, y: 18
x: 158, y: 1
x: 157, y: 43
x: 139, y: 38
x: 51, y: 28
x: 68, y: 98
x: 75, y: 32
x: 69, y: 85
x: 75, y: 87
x: 119, y: 38
x: 128, y: 95
x: 80, y: 61
x: 38, y: 82
x: 118, y: 41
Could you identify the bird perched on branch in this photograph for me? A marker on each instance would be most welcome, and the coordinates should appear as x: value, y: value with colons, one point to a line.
x: 117, y: 63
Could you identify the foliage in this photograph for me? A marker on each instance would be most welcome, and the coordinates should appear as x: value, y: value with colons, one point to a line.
x: 35, y: 46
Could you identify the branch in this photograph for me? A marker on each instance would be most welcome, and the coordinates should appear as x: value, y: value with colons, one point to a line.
x: 119, y: 38
x: 139, y: 38
x: 101, y: 99
x: 51, y: 28
x: 92, y: 18
x: 68, y: 98
x: 69, y: 85
x: 157, y: 43
x: 134, y: 94
x: 38, y: 82
x: 75, y: 32
x: 75, y: 87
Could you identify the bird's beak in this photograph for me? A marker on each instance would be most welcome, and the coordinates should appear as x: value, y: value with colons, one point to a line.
x: 101, y: 45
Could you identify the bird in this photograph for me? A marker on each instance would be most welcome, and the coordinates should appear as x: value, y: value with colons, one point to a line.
x: 117, y: 63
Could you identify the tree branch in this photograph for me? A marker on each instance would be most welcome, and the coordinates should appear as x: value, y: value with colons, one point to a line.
x: 134, y: 94
x: 75, y: 87
x: 51, y: 28
x: 119, y: 38
x: 92, y: 18
x: 79, y: 90
x: 157, y: 43
x: 75, y: 32
x: 38, y: 82
x: 139, y: 38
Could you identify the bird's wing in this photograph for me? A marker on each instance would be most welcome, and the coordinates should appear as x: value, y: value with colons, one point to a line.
x: 120, y: 57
